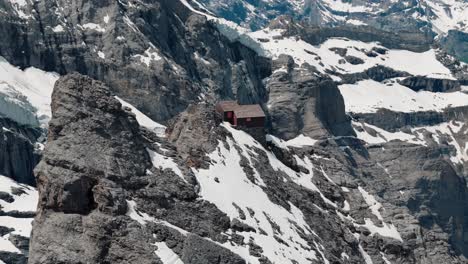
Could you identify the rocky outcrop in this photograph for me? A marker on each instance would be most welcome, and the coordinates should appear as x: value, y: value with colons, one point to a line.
x: 377, y: 73
x: 422, y: 83
x: 302, y: 102
x: 95, y: 165
x: 93, y: 148
x: 414, y: 41
x: 393, y: 121
x: 111, y: 191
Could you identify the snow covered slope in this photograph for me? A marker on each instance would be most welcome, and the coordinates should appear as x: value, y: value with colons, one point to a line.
x: 369, y: 96
x: 344, y: 56
x: 17, y: 208
x: 441, y: 15
x: 25, y: 94
x: 280, y: 232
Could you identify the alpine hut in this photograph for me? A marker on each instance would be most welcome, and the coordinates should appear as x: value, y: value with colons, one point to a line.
x: 241, y: 115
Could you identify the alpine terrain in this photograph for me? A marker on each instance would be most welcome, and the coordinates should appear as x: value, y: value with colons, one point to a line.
x: 234, y: 131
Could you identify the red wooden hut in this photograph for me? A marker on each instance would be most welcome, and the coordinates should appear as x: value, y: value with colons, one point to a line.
x: 241, y: 115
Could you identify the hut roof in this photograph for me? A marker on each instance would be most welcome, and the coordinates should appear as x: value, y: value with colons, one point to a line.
x: 242, y: 111
x: 228, y: 105
x: 245, y: 111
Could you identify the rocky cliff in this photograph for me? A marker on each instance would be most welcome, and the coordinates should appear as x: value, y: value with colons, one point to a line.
x: 123, y: 193
x: 363, y: 158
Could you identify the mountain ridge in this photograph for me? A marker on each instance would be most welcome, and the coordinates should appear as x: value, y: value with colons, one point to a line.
x: 365, y: 157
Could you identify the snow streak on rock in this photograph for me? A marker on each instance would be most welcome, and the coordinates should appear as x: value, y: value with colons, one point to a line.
x: 232, y: 186
x: 144, y: 120
x: 166, y: 254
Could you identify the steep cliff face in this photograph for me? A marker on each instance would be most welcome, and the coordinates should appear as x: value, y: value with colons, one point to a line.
x: 96, y: 165
x: 209, y: 193
x: 302, y: 102
x: 159, y: 56
x: 365, y: 158
x: 18, y: 151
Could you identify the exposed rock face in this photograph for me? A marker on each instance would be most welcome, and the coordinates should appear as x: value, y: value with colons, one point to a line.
x: 410, y: 19
x: 18, y: 155
x: 377, y: 73
x: 112, y: 191
x: 148, y: 53
x: 392, y: 121
x: 95, y: 162
x: 414, y: 41
x: 455, y: 44
x: 433, y: 195
x: 93, y: 148
x: 89, y: 191
x: 418, y: 83
x: 302, y: 102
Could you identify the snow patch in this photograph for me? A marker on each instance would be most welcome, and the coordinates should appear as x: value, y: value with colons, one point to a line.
x: 93, y: 26
x: 163, y: 162
x: 383, y: 136
x: 448, y: 129
x: 166, y: 254
x: 325, y: 59
x: 387, y: 230
x: 134, y: 214
x: 297, y: 142
x: 106, y: 18
x: 225, y: 191
x: 369, y: 96
x: 148, y: 57
x: 25, y: 202
x: 58, y: 28
x: 144, y: 120
x: 32, y: 84
x: 101, y: 55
